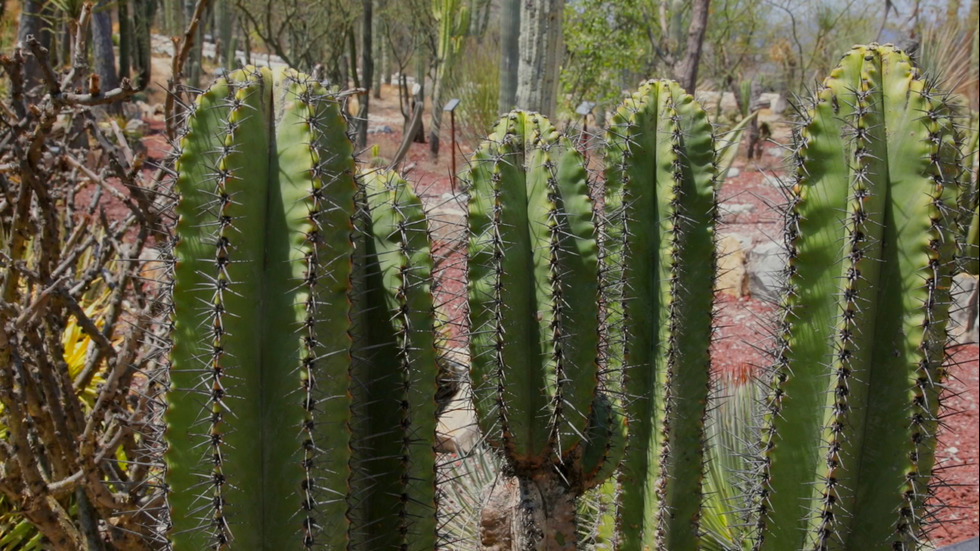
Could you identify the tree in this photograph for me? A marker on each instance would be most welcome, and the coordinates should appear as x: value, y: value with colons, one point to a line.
x: 102, y: 53
x: 686, y: 72
x: 540, y: 55
x: 453, y: 19
x: 510, y: 27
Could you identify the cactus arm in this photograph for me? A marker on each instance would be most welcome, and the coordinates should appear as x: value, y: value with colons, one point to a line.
x: 660, y: 193
x: 309, y: 264
x: 816, y: 241
x: 376, y: 389
x: 540, y: 145
x: 481, y: 289
x: 917, y: 248
x: 231, y: 379
x: 574, y: 238
x: 868, y: 291
x: 399, y: 233
x: 640, y: 161
x: 190, y: 398
x: 692, y: 281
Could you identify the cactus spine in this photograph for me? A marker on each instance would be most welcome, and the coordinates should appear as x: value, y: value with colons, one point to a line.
x: 659, y: 273
x: 533, y: 289
x: 852, y: 418
x: 274, y: 331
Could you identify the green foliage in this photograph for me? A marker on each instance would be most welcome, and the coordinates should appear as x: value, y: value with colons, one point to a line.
x: 477, y: 88
x: 301, y: 302
x: 603, y: 47
x: 852, y: 415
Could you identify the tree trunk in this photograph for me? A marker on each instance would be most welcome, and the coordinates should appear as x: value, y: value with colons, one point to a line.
x: 686, y: 71
x: 224, y: 23
x: 143, y: 11
x: 377, y: 55
x: 530, y: 514
x: 421, y: 68
x: 510, y: 29
x: 540, y: 55
x: 193, y: 65
x: 125, y: 38
x: 32, y: 23
x: 367, y: 72
x: 103, y: 56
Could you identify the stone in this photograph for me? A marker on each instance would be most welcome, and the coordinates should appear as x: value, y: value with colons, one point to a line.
x: 457, y: 430
x: 766, y: 266
x: 730, y: 212
x: 963, y: 319
x: 733, y: 173
x: 732, y: 276
x: 447, y: 224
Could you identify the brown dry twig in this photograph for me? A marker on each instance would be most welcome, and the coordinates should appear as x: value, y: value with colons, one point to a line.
x: 79, y: 219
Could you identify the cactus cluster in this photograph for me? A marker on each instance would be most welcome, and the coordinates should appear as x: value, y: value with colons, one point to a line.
x: 555, y: 379
x: 302, y: 319
x: 305, y: 365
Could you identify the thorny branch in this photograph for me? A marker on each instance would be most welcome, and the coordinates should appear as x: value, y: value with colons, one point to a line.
x: 82, y: 306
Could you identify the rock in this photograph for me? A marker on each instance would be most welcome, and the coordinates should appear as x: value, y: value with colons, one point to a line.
x: 963, y: 311
x: 380, y: 129
x: 135, y: 127
x: 774, y: 181
x: 779, y: 104
x: 733, y: 173
x: 457, y: 430
x: 766, y: 265
x: 447, y: 223
x: 730, y: 212
x: 731, y: 270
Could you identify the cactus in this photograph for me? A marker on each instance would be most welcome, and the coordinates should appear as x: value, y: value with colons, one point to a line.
x: 533, y: 303
x: 300, y: 296
x: 659, y: 273
x: 853, y: 408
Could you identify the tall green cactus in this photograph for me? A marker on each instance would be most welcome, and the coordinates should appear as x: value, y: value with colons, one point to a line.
x: 299, y: 297
x: 533, y: 290
x: 659, y: 264
x: 852, y: 416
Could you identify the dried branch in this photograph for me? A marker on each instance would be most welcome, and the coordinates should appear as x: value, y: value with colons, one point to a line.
x: 182, y: 47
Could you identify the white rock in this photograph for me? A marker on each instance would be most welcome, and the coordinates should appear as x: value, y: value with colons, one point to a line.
x: 766, y: 266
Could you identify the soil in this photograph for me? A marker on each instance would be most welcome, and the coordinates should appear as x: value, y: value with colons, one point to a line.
x: 742, y: 322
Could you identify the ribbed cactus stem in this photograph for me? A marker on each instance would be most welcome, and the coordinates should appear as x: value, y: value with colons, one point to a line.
x: 394, y: 373
x: 658, y: 273
x: 533, y: 292
x: 302, y: 412
x: 849, y: 446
